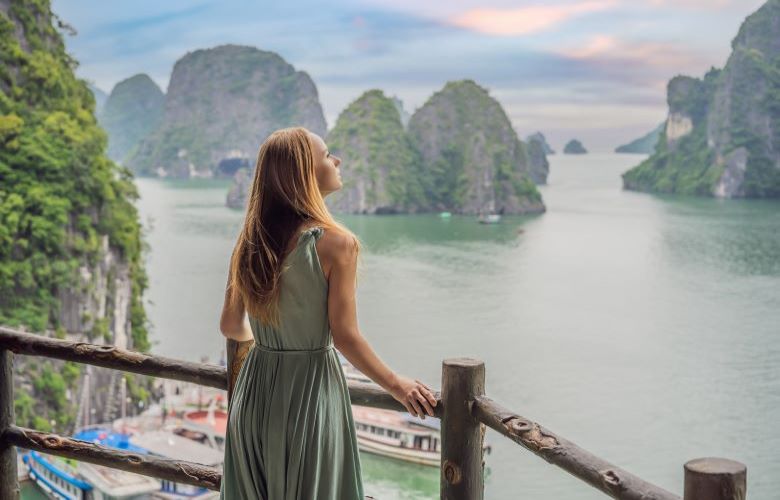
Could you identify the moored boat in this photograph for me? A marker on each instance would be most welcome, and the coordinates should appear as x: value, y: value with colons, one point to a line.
x: 395, y: 434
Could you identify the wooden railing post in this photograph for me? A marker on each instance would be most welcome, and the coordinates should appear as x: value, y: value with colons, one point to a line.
x: 9, y: 486
x: 715, y: 479
x: 462, y: 379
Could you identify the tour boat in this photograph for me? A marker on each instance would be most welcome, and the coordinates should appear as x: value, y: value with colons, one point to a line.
x: 392, y: 433
x: 61, y: 479
x: 398, y: 435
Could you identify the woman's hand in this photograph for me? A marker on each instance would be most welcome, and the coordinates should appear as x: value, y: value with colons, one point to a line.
x: 414, y: 395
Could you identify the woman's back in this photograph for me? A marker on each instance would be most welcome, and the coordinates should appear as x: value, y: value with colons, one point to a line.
x: 303, y: 300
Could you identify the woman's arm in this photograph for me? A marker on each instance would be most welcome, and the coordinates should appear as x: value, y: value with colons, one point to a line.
x: 342, y: 311
x: 234, y: 323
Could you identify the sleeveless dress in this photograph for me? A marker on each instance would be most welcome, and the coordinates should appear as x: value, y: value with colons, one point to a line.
x: 290, y: 432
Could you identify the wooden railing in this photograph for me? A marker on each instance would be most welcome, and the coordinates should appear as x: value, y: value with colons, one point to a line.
x: 462, y: 406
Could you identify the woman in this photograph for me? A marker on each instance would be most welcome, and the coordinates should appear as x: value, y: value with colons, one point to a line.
x: 291, y: 289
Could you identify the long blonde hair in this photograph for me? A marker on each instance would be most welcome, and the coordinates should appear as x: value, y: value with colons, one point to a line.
x: 284, y: 196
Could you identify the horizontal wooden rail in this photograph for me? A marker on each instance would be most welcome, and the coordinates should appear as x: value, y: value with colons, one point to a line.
x: 109, y: 356
x: 580, y: 463
x: 172, y: 470
x: 556, y: 450
x: 158, y: 366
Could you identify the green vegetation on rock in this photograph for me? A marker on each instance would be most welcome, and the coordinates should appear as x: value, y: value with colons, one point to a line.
x: 722, y: 137
x: 222, y: 103
x: 60, y: 196
x: 380, y: 166
x: 471, y: 158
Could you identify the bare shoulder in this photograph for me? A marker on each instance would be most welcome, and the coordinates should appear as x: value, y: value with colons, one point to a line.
x: 335, y: 248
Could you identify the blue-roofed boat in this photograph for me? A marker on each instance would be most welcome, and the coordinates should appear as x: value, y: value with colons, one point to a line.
x: 63, y: 479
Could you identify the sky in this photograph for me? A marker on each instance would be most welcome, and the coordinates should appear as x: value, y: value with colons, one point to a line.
x: 595, y: 70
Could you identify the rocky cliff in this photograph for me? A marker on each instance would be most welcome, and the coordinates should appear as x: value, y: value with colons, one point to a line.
x: 574, y: 147
x: 220, y: 105
x: 722, y: 135
x: 132, y: 111
x: 644, y: 145
x: 70, y: 239
x: 378, y: 168
x: 471, y: 158
x: 541, y: 139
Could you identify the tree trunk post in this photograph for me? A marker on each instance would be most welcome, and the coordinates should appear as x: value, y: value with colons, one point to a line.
x: 9, y: 485
x: 462, y: 463
x: 715, y: 479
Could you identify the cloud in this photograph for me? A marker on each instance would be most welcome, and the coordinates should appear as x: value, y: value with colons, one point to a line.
x: 696, y: 4
x: 608, y: 48
x: 525, y: 20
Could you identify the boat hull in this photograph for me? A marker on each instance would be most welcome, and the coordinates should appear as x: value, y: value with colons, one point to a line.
x: 431, y: 459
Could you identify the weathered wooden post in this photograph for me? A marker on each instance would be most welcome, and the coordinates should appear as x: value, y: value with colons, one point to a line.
x: 715, y: 479
x: 9, y: 487
x: 461, y: 434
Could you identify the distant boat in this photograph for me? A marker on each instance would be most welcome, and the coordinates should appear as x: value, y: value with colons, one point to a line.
x: 444, y: 215
x: 491, y: 218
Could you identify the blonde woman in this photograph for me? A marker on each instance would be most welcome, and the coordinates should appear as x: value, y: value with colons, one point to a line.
x: 291, y: 289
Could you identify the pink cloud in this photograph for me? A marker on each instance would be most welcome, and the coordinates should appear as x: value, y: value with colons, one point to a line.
x: 608, y: 48
x: 525, y: 20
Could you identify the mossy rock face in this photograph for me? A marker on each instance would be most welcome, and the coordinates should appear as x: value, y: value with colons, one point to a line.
x: 458, y: 153
x: 132, y: 111
x: 222, y: 103
x: 64, y: 205
x: 379, y: 169
x: 574, y: 147
x: 722, y: 137
x: 471, y: 158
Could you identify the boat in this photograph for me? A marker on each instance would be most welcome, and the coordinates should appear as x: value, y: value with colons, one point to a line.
x: 398, y: 435
x: 62, y: 479
x: 395, y: 434
x: 204, y: 426
x: 489, y: 218
x: 165, y: 444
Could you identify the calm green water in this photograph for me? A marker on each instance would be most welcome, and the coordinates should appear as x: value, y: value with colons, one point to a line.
x: 645, y: 329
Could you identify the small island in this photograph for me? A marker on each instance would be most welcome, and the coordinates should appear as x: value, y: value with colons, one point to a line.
x: 574, y: 147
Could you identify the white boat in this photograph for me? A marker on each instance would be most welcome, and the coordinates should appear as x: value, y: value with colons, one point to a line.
x: 395, y: 434
x: 398, y: 435
x: 490, y: 218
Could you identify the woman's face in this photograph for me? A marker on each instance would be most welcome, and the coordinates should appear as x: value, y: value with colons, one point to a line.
x: 326, y: 166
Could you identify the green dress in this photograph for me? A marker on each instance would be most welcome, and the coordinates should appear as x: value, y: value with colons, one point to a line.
x: 290, y: 432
